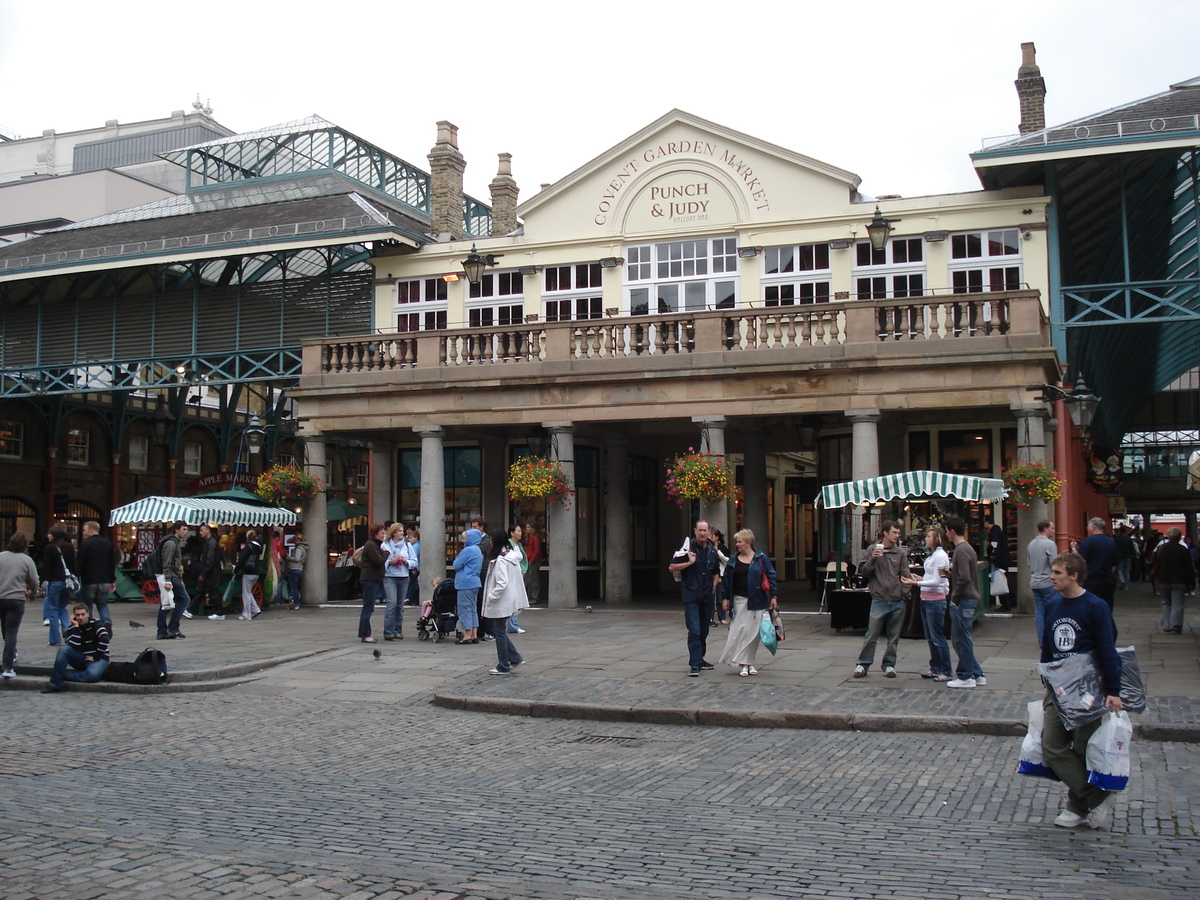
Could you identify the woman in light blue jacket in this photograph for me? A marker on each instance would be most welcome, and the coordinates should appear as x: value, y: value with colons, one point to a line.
x: 467, y: 566
x: 395, y: 582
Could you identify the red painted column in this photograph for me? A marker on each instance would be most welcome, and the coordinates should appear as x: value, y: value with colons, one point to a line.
x: 171, y: 466
x: 114, y: 492
x: 51, y: 483
x: 1066, y: 509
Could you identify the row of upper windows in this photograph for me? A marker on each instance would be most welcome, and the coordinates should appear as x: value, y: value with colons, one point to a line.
x: 78, y: 448
x: 715, y: 256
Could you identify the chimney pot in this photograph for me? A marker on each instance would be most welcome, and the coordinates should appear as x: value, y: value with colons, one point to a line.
x: 1031, y: 91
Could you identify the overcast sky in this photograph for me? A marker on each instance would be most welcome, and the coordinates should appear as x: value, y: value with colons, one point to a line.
x: 897, y: 92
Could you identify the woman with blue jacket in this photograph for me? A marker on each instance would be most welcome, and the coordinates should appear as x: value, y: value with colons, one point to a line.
x: 467, y: 566
x: 742, y: 587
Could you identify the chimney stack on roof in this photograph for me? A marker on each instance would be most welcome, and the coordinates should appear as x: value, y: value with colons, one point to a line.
x: 446, y: 167
x: 504, y: 197
x: 1031, y: 89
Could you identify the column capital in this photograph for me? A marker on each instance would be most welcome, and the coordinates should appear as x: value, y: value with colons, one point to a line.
x: 710, y: 420
x: 1030, y: 412
x: 559, y: 427
x: 864, y: 415
x: 429, y: 431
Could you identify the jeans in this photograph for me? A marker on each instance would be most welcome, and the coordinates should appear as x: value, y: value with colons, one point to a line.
x: 393, y: 617
x: 696, y: 616
x: 885, y: 614
x: 1172, y: 605
x: 1123, y: 567
x: 11, y: 612
x: 181, y: 603
x: 933, y: 620
x: 513, y: 624
x: 371, y: 590
x: 1041, y: 596
x: 414, y: 587
x: 506, y: 651
x: 56, y: 607
x: 87, y: 672
x: 1064, y: 752
x: 962, y: 617
x: 293, y: 583
x: 468, y: 614
x: 97, y: 594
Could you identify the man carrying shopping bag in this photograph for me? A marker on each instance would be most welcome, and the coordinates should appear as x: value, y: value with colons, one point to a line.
x: 1077, y: 621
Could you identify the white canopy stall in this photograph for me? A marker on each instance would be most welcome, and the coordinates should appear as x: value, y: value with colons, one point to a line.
x: 199, y: 511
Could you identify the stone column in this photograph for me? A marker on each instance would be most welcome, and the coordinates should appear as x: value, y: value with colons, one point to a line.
x: 383, y: 495
x: 494, y: 499
x: 618, y: 536
x: 712, y: 440
x: 315, y: 583
x: 433, y: 507
x: 560, y: 525
x: 754, y: 491
x: 864, y: 463
x: 1031, y: 447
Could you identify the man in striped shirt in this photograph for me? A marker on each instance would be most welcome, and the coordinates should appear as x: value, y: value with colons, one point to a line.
x: 85, y: 650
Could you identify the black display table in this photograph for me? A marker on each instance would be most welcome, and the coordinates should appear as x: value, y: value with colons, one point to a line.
x: 850, y: 609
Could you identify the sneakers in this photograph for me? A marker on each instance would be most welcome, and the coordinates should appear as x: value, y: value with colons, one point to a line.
x: 1068, y: 819
x: 46, y: 622
x: 961, y: 683
x: 980, y: 680
x: 165, y: 636
x: 707, y: 665
x: 489, y: 637
x: 860, y: 671
x: 499, y: 671
x: 517, y: 662
x: 889, y: 671
x: 516, y: 631
x: 694, y: 672
x: 217, y: 618
x: 9, y: 673
x: 1099, y: 816
x: 179, y: 634
x: 186, y: 614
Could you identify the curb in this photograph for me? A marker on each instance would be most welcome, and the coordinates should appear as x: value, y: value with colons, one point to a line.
x: 198, y: 681
x: 761, y: 718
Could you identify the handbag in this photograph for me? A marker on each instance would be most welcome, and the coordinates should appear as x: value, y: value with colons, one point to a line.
x: 1107, y: 752
x: 999, y: 582
x: 766, y: 583
x: 766, y: 634
x: 778, y: 624
x: 69, y: 577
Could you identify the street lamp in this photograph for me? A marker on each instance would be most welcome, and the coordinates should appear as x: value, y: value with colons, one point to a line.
x: 254, y: 434
x: 476, y: 262
x: 1082, y: 404
x: 878, y: 229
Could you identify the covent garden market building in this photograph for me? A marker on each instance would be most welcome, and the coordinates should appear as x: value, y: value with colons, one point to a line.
x: 691, y: 287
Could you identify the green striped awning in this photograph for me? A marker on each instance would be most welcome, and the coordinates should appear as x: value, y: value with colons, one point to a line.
x: 199, y: 511
x: 911, y: 484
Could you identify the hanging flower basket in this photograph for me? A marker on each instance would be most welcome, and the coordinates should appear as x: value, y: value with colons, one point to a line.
x: 1029, y: 481
x: 287, y: 484
x: 538, y: 478
x: 699, y: 476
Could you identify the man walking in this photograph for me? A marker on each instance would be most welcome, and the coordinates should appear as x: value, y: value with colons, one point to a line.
x: 1040, y: 553
x: 1100, y: 553
x: 1077, y: 621
x: 172, y: 563
x: 1126, y: 553
x: 964, y: 597
x: 698, y: 567
x: 97, y: 563
x: 885, y: 563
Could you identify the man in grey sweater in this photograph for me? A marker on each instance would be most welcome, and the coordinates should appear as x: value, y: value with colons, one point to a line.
x: 964, y: 597
x: 885, y: 562
x: 1040, y: 553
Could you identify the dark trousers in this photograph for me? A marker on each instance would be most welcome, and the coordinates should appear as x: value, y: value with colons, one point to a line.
x: 1103, y: 586
x: 11, y: 612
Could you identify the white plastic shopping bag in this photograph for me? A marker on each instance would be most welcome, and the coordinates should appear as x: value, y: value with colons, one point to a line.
x: 1108, y: 752
x: 1030, y: 762
x: 166, y: 592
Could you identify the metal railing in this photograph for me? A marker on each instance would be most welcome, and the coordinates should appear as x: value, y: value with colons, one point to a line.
x: 1096, y: 131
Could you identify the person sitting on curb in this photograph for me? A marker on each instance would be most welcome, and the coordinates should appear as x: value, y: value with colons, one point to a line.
x: 85, y: 651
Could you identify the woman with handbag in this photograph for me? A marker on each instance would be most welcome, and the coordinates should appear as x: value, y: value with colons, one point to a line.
x: 750, y: 588
x: 934, y: 588
x: 58, y: 559
x: 247, y: 567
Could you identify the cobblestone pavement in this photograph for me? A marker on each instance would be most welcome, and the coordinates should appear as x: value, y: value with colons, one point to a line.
x: 239, y: 794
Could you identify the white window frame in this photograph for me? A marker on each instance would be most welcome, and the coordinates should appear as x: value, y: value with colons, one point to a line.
x: 796, y: 275
x: 139, y: 452
x: 897, y: 277
x: 79, y: 447
x: 576, y: 294
x: 12, y: 439
x: 672, y: 276
x: 193, y: 457
x: 420, y: 304
x: 502, y: 307
x: 994, y: 263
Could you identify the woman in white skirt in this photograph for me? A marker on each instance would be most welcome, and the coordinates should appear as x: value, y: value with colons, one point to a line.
x: 749, y: 586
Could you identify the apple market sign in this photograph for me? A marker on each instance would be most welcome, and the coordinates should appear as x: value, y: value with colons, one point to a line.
x: 687, y: 197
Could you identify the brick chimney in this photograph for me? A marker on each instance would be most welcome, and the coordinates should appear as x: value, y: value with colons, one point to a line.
x: 446, y: 167
x: 504, y: 197
x: 1031, y: 89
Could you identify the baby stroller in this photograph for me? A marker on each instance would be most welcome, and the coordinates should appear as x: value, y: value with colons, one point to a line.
x: 439, y: 616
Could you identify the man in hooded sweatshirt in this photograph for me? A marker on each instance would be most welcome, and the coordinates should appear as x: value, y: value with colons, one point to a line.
x: 467, y: 567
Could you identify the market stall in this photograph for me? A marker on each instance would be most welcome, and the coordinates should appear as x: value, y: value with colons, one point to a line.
x: 849, y: 604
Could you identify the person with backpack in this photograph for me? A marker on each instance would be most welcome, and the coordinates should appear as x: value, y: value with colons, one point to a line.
x: 58, y: 558
x: 247, y: 567
x: 86, y: 651
x: 171, y: 551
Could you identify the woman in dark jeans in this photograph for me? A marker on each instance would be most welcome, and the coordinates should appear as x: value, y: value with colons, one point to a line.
x: 247, y: 566
x: 370, y: 576
x: 57, y: 557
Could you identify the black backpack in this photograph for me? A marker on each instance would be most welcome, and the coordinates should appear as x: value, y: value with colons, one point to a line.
x: 150, y: 667
x: 152, y: 565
